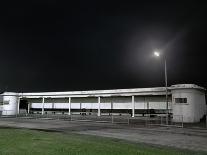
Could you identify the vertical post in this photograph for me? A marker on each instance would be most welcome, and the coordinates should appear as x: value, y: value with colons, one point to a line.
x: 69, y: 106
x: 133, y: 106
x: 182, y: 120
x: 166, y: 92
x: 43, y: 103
x: 28, y: 108
x: 18, y: 103
x: 112, y: 117
x: 148, y: 114
x: 112, y: 107
x: 99, y: 106
x: 148, y: 110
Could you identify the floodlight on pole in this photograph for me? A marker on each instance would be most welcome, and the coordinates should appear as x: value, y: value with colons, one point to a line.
x: 157, y: 54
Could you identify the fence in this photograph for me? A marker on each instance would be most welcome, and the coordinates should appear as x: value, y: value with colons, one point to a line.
x: 165, y: 120
x: 116, y: 118
x: 120, y: 118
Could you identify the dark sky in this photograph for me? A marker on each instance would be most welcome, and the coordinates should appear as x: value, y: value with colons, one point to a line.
x: 83, y: 45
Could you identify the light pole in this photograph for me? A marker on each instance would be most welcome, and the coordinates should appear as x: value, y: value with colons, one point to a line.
x: 157, y: 54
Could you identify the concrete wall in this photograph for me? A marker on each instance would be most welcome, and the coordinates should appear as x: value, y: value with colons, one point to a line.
x: 193, y: 110
x: 10, y: 104
x: 1, y: 104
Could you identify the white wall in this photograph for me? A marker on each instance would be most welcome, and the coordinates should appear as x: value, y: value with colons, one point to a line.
x: 195, y: 108
x: 12, y: 107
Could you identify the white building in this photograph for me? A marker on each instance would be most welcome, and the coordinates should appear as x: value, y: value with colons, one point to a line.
x: 186, y: 100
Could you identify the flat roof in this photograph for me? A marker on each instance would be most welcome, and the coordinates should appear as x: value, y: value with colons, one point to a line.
x: 106, y: 93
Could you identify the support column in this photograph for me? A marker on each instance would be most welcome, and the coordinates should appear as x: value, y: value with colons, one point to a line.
x: 112, y: 107
x: 43, y: 103
x: 133, y: 107
x: 99, y: 106
x: 28, y: 108
x: 69, y: 106
x: 148, y: 110
x: 18, y: 103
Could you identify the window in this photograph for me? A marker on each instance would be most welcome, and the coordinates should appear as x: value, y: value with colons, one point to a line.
x: 180, y: 100
x: 5, y: 102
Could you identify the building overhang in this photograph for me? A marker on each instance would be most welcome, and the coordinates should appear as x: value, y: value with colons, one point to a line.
x: 155, y: 91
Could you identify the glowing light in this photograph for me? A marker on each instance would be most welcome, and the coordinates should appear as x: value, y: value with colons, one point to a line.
x: 156, y: 53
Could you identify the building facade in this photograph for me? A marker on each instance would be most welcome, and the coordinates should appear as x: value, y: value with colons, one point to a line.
x: 186, y: 100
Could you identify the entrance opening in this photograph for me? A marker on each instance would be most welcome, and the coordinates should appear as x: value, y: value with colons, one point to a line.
x: 23, y: 106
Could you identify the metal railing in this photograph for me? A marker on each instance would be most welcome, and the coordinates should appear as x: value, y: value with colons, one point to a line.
x: 116, y: 118
x: 165, y: 120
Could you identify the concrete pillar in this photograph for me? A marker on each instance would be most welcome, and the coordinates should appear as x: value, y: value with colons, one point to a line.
x: 148, y: 110
x: 43, y: 102
x: 112, y: 107
x: 99, y: 106
x: 28, y: 110
x: 18, y: 104
x: 133, y: 107
x: 69, y: 106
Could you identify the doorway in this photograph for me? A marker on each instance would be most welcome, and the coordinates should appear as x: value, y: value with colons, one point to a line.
x: 23, y: 106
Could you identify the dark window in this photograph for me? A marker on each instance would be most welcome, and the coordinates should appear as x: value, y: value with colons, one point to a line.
x: 180, y: 100
x: 5, y: 102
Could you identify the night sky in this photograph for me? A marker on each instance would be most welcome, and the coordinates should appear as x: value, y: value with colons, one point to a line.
x: 85, y: 45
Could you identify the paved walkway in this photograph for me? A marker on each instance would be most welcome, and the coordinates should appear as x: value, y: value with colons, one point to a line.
x: 156, y: 136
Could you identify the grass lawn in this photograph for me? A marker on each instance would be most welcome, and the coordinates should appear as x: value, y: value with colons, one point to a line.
x: 30, y: 142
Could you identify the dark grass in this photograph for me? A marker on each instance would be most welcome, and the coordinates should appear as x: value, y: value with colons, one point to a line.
x: 31, y: 142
